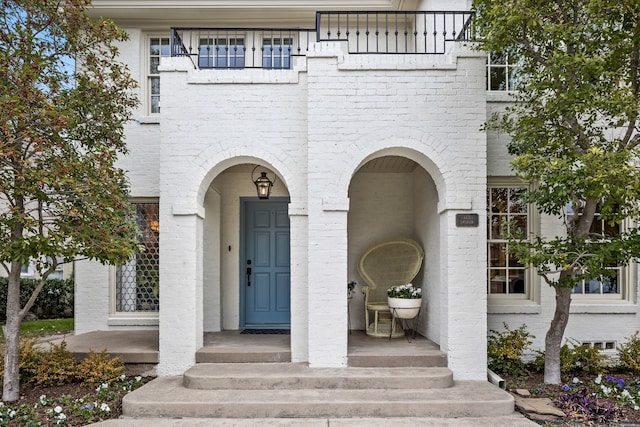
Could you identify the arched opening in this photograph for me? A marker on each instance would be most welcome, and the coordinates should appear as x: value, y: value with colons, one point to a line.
x: 245, y: 253
x: 394, y: 197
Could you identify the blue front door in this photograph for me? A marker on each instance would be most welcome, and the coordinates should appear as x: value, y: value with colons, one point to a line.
x: 266, y: 273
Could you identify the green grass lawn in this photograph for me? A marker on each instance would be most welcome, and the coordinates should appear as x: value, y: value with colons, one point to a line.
x: 37, y: 328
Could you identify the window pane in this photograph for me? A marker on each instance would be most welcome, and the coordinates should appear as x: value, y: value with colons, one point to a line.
x: 513, y: 261
x: 611, y: 230
x: 496, y: 221
x: 155, y: 85
x: 498, y: 254
x: 610, y: 285
x: 154, y: 46
x: 165, y: 48
x: 497, y: 281
x: 514, y: 78
x: 498, y: 58
x: 516, y: 282
x: 578, y: 289
x: 499, y: 200
x: 153, y: 65
x: 498, y: 78
x: 516, y: 200
x: 155, y: 105
x: 591, y: 287
x: 519, y: 224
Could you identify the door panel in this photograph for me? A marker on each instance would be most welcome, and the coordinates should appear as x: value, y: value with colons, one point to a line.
x: 267, y: 282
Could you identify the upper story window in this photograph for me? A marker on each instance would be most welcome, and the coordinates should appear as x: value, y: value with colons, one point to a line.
x: 276, y: 52
x: 505, y: 274
x: 158, y: 47
x: 221, y: 52
x: 501, y: 75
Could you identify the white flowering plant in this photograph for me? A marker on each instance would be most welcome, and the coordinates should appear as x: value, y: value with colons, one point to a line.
x: 407, y: 291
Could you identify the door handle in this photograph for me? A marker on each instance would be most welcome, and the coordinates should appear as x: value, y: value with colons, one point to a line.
x: 248, y: 276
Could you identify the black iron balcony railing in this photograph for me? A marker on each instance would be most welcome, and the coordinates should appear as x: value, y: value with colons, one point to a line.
x: 419, y: 32
x: 365, y: 32
x: 241, y: 47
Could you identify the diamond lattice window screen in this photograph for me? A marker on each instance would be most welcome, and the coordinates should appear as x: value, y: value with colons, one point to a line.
x: 137, y: 282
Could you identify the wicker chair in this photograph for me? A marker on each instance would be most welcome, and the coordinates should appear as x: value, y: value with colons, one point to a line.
x: 386, y: 264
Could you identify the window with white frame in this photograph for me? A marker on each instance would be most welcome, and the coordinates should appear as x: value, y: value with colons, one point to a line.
x: 276, y: 52
x: 506, y: 208
x: 610, y: 284
x: 158, y: 47
x: 221, y: 52
x: 501, y: 74
x: 137, y: 281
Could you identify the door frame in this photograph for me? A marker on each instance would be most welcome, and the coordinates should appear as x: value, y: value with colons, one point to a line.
x: 244, y: 201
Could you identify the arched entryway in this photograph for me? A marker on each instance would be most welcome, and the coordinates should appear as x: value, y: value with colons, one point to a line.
x: 246, y: 255
x: 394, y: 197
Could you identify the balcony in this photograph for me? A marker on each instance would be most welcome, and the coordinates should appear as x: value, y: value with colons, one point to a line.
x: 418, y: 33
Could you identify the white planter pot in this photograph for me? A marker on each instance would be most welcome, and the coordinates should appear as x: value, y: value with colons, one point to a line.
x: 405, y: 308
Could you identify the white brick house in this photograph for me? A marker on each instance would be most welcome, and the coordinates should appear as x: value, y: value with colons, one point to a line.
x: 363, y: 147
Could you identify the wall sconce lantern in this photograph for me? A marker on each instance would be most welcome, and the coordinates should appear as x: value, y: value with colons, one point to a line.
x: 263, y: 184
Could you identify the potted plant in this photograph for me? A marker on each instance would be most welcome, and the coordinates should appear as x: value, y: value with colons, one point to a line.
x: 404, y: 300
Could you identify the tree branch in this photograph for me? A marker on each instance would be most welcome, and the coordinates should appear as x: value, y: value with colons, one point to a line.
x: 36, y: 291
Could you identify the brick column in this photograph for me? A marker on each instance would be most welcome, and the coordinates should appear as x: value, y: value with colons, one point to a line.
x: 328, y: 287
x: 299, y: 285
x: 181, y: 295
x: 464, y: 299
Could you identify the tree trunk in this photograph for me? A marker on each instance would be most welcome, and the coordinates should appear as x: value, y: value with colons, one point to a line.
x: 11, y: 386
x: 553, y: 339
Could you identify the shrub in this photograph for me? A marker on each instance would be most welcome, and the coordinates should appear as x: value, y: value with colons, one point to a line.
x: 57, y: 368
x: 99, y: 368
x: 505, y: 350
x: 575, y: 358
x: 30, y: 359
x: 582, y: 357
x: 54, y: 302
x: 629, y: 354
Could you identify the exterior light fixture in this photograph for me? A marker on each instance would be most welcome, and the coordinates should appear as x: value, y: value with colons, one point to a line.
x: 263, y: 184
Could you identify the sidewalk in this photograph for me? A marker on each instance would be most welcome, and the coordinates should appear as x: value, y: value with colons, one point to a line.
x: 515, y: 420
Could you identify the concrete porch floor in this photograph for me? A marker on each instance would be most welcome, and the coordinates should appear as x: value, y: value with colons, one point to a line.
x: 141, y: 346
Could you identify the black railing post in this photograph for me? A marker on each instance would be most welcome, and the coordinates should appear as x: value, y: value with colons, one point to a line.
x: 318, y: 38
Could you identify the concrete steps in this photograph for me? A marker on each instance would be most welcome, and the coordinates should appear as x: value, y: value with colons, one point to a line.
x: 297, y: 376
x: 232, y: 355
x: 290, y: 390
x: 432, y: 358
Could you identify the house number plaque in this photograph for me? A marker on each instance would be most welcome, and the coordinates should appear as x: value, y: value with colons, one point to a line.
x: 467, y: 220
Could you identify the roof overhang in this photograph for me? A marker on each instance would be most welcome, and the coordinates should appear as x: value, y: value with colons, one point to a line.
x: 231, y: 12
